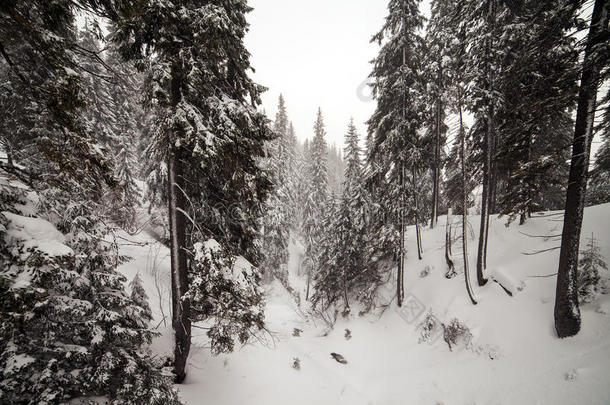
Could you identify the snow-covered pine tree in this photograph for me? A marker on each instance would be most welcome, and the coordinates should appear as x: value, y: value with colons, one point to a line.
x: 209, y: 132
x: 436, y: 40
x: 589, y: 266
x: 139, y: 297
x: 343, y: 269
x: 315, y: 197
x: 598, y: 189
x: 44, y: 62
x: 483, y: 25
x: 537, y: 88
x: 280, y: 215
x: 336, y: 169
x: 393, y: 140
x: 567, y: 313
x: 68, y: 329
x: 225, y: 290
x: 461, y: 174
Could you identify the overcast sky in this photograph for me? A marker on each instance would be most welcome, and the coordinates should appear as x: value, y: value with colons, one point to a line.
x: 316, y: 53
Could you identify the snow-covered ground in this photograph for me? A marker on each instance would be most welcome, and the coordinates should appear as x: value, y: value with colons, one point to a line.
x: 514, y: 356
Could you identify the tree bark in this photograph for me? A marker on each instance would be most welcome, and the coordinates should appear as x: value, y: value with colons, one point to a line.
x: 448, y: 254
x: 436, y: 171
x: 465, y: 209
x: 177, y: 222
x: 420, y: 249
x: 567, y: 313
x: 487, y: 164
x: 401, y: 254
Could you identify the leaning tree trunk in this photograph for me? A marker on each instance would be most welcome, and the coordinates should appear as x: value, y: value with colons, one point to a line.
x: 464, y: 208
x: 181, y: 321
x: 567, y: 313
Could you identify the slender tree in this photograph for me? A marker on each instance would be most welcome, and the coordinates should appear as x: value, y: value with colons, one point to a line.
x: 316, y: 196
x: 207, y: 128
x: 567, y: 312
x: 393, y: 140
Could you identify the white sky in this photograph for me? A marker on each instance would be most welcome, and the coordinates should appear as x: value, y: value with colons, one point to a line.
x: 316, y: 53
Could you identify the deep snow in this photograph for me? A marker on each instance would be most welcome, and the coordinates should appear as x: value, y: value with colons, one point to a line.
x: 515, y: 356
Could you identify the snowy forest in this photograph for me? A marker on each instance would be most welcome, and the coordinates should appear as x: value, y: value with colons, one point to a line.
x: 166, y: 240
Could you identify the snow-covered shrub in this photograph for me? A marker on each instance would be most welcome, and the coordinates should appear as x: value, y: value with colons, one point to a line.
x: 457, y: 333
x: 296, y: 363
x: 68, y: 329
x: 429, y: 328
x: 589, y: 279
x: 139, y: 297
x: 226, y: 291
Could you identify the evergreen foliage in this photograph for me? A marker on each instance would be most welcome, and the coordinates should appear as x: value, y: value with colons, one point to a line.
x: 69, y: 329
x: 589, y: 265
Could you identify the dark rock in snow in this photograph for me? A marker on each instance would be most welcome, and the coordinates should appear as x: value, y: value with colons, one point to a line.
x: 339, y: 358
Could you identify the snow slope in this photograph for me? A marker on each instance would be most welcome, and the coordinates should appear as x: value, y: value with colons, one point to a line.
x: 514, y: 356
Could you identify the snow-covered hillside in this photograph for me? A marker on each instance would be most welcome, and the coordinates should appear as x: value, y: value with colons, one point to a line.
x: 514, y: 356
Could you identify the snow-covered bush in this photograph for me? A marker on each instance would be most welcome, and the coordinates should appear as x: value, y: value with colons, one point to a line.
x: 457, y: 333
x: 589, y: 264
x: 225, y: 290
x: 68, y: 329
x: 429, y: 328
x: 139, y: 297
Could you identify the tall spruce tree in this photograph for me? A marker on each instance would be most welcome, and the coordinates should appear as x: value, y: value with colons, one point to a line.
x: 567, y: 312
x: 537, y: 86
x: 279, y: 216
x: 316, y: 196
x: 343, y: 271
x: 208, y: 130
x: 393, y: 140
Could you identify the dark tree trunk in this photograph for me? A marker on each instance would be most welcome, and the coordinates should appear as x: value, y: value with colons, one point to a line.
x: 401, y: 254
x: 487, y: 159
x: 177, y: 224
x: 448, y: 253
x: 436, y: 168
x: 464, y: 208
x: 567, y: 313
x: 420, y: 249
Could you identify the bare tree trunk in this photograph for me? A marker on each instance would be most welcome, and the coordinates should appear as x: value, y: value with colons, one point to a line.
x: 464, y: 208
x: 401, y: 254
x: 420, y: 249
x: 487, y: 163
x: 308, y: 280
x: 436, y: 171
x: 567, y: 313
x: 177, y: 223
x: 448, y: 253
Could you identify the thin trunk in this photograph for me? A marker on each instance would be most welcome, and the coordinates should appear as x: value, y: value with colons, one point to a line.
x: 448, y: 254
x: 420, y: 249
x: 308, y: 281
x: 464, y: 208
x: 181, y: 308
x: 487, y: 155
x: 436, y: 171
x: 401, y: 254
x: 179, y: 273
x: 567, y: 313
x: 400, y: 273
